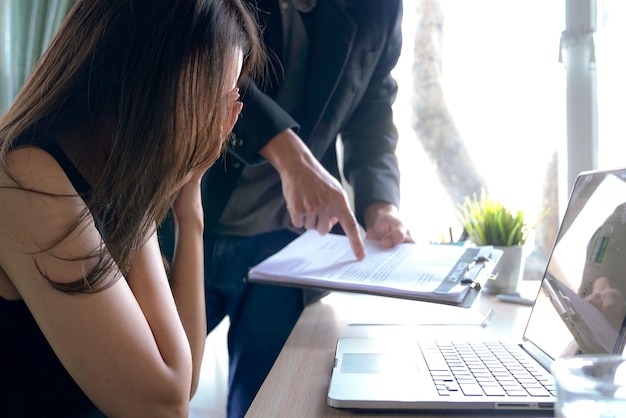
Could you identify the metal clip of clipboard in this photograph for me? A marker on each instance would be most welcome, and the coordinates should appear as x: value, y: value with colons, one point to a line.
x: 476, y: 266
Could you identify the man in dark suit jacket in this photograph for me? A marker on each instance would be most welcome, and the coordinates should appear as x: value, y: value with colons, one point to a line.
x: 329, y: 77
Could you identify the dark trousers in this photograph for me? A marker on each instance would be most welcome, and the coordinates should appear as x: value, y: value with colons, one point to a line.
x: 261, y: 316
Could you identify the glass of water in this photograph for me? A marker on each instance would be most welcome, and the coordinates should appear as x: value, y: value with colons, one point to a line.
x: 590, y: 386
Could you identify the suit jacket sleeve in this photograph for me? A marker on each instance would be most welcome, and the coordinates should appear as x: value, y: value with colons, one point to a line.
x: 370, y: 136
x: 261, y: 120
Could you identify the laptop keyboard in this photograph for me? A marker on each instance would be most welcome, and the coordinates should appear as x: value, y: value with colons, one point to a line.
x: 485, y: 369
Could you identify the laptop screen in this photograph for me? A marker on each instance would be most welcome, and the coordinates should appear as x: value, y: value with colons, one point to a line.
x: 580, y: 308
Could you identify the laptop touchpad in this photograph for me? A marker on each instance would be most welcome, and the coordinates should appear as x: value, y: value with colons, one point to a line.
x: 371, y: 363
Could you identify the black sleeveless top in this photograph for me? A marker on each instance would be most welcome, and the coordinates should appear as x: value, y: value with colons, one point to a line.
x: 33, y: 382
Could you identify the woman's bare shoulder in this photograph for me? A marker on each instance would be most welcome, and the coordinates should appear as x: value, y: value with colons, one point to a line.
x: 38, y: 206
x: 32, y: 168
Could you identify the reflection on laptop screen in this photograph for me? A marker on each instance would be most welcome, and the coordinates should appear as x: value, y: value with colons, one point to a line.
x: 581, y: 306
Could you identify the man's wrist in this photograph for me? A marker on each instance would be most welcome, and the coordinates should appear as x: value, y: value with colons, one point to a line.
x: 285, y: 150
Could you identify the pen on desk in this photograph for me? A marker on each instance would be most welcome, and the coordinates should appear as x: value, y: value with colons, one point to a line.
x: 488, y: 317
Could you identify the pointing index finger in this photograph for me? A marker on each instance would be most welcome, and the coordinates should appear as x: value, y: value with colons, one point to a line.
x: 351, y: 228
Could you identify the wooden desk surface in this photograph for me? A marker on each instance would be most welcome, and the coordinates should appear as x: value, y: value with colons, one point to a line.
x: 297, y: 384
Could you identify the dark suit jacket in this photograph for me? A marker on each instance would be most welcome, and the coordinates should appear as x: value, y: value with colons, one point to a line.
x: 349, y: 92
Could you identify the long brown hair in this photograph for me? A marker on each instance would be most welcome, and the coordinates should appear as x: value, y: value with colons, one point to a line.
x: 138, y: 88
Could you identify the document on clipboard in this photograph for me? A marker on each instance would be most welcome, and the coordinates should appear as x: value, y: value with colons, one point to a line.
x: 446, y: 274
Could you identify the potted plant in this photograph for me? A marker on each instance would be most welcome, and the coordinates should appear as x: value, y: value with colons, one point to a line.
x: 488, y: 222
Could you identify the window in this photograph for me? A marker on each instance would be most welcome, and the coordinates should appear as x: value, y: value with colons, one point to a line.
x: 505, y: 90
x: 611, y: 82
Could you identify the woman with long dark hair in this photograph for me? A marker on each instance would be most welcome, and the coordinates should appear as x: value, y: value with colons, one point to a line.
x: 117, y: 123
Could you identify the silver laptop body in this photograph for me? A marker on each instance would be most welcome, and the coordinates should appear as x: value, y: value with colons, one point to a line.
x: 587, y: 261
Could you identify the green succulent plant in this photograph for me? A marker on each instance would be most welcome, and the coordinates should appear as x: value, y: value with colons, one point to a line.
x: 488, y: 222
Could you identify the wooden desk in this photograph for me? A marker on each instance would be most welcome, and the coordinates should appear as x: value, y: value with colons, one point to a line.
x: 297, y: 384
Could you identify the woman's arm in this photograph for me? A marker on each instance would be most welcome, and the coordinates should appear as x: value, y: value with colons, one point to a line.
x: 126, y: 346
x: 188, y: 269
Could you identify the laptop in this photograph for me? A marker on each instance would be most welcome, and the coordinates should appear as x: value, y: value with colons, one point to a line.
x: 587, y: 262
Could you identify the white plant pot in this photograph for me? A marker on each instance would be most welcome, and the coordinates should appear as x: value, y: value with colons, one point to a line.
x: 508, y: 271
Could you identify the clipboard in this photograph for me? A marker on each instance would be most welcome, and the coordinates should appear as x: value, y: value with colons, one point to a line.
x: 437, y: 273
